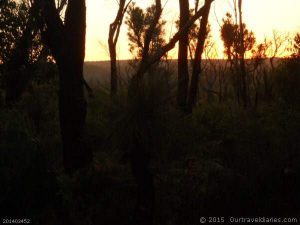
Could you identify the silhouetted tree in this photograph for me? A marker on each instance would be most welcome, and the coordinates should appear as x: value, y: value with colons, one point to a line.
x: 237, y: 40
x: 114, y: 31
x: 277, y: 47
x: 26, y: 50
x: 156, y: 56
x: 192, y: 43
x: 242, y: 56
x: 193, y: 40
x: 145, y: 35
x: 66, y: 41
x: 202, y: 34
x: 149, y: 56
x: 183, y: 70
x: 259, y: 55
x: 14, y: 54
x: 22, y: 46
x: 230, y: 37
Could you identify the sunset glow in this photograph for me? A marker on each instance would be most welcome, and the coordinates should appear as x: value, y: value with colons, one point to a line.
x: 261, y: 16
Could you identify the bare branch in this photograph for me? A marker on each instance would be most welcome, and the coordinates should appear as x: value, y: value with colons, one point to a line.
x: 171, y: 44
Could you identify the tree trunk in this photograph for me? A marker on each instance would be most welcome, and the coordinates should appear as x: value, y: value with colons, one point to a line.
x: 139, y: 159
x: 242, y: 59
x: 67, y: 43
x: 72, y: 103
x: 183, y: 71
x: 113, y: 69
x: 198, y: 57
x: 114, y: 31
x: 72, y: 111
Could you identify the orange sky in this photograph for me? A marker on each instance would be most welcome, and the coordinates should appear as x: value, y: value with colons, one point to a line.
x: 261, y: 16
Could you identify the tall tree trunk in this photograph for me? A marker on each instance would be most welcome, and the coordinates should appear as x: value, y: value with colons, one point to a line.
x: 183, y: 71
x: 72, y: 111
x: 67, y: 43
x: 139, y: 158
x: 242, y: 58
x: 114, y: 31
x: 113, y: 70
x: 198, y: 57
x: 72, y: 100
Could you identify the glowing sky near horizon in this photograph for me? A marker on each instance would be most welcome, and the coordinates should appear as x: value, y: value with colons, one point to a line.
x: 261, y: 16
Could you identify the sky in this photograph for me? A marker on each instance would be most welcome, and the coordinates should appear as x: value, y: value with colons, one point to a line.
x: 261, y: 16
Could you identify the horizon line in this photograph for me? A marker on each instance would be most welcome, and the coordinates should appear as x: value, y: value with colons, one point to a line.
x: 108, y: 60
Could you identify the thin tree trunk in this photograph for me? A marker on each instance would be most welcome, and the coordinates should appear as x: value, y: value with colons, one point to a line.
x: 183, y: 71
x: 198, y: 57
x: 242, y: 59
x: 113, y: 71
x: 114, y: 31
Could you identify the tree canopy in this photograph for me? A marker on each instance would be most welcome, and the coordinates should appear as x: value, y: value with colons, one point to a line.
x: 138, y: 21
x: 230, y: 34
x: 13, y: 19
